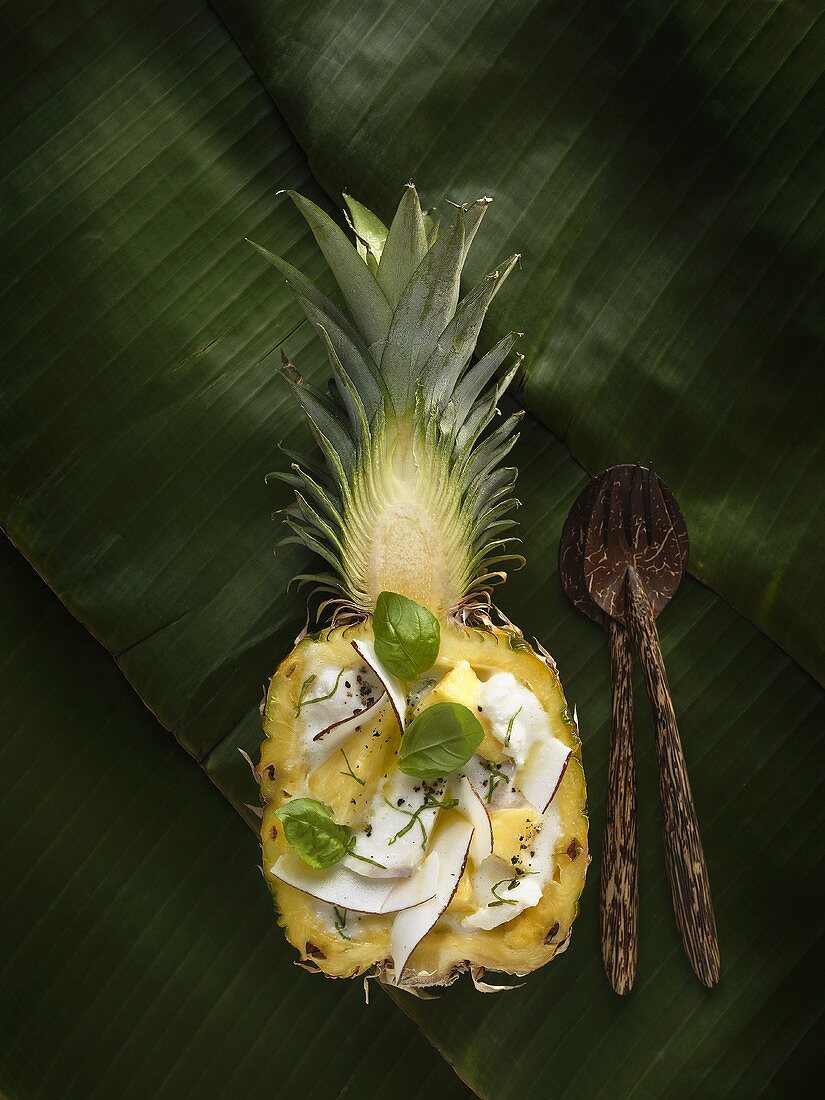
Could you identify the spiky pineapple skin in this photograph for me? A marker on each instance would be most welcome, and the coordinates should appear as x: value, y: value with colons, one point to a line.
x: 521, y: 945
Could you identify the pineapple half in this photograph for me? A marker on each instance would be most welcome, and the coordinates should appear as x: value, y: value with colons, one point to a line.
x: 480, y: 868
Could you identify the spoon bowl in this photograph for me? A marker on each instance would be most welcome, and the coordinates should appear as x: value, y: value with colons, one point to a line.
x: 635, y: 524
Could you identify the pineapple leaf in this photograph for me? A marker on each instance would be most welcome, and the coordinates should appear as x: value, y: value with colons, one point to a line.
x: 314, y: 522
x: 350, y: 351
x: 299, y: 284
x: 370, y: 309
x: 485, y: 409
x: 303, y: 482
x: 479, y: 374
x: 473, y: 216
x: 329, y: 430
x: 423, y: 311
x: 458, y: 340
x: 396, y: 450
x: 305, y: 536
x: 431, y: 224
x: 349, y: 394
x: 494, y: 448
x: 404, y: 249
x: 369, y: 230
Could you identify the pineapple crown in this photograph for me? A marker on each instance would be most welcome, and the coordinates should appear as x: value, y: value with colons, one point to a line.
x: 411, y: 495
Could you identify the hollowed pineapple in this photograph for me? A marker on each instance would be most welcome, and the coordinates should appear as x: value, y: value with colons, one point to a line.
x: 480, y: 868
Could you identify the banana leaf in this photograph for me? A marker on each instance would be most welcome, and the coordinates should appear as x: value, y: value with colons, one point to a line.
x: 661, y: 168
x: 139, y: 167
x: 139, y: 955
x: 142, y: 412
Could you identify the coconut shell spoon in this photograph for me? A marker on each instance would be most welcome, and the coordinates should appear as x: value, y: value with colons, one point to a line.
x: 619, y: 904
x: 635, y: 555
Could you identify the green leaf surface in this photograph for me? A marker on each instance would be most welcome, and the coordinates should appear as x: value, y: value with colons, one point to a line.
x: 403, y: 249
x: 140, y: 958
x: 365, y: 298
x: 138, y: 151
x: 312, y: 832
x: 439, y: 741
x: 660, y: 167
x: 141, y: 409
x: 138, y: 317
x: 407, y: 635
x: 370, y: 232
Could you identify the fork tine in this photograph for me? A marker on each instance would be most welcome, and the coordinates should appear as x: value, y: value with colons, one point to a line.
x: 638, y: 523
x: 616, y: 529
x: 660, y: 517
x: 597, y: 525
x: 600, y: 554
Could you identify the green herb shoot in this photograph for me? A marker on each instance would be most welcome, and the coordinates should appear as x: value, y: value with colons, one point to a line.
x: 341, y: 923
x: 496, y: 777
x: 407, y: 636
x: 511, y: 884
x: 305, y: 686
x: 349, y: 772
x: 415, y: 816
x: 510, y: 726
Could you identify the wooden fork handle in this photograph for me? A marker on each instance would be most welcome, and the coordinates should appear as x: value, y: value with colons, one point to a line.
x: 684, y: 857
x: 620, y: 849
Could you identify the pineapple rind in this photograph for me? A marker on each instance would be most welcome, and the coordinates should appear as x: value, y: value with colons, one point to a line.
x: 521, y: 945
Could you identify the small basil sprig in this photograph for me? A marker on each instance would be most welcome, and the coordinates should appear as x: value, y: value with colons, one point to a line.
x: 441, y: 739
x: 407, y: 635
x: 315, y: 836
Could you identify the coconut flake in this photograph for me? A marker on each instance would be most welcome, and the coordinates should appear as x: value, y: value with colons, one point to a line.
x: 392, y: 686
x: 423, y: 885
x: 409, y: 928
x: 541, y: 776
x: 524, y: 894
x: 346, y: 889
x: 527, y: 888
x: 471, y: 805
x: 326, y: 741
x: 390, y: 813
x: 518, y: 720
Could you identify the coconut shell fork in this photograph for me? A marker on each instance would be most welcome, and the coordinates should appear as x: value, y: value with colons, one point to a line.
x: 619, y: 882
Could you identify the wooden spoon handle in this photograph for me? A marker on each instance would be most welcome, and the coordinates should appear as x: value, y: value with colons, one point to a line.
x: 684, y: 857
x: 620, y: 850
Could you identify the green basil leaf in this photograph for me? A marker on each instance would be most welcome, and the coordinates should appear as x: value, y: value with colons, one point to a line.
x: 441, y: 739
x: 311, y: 832
x: 407, y: 635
